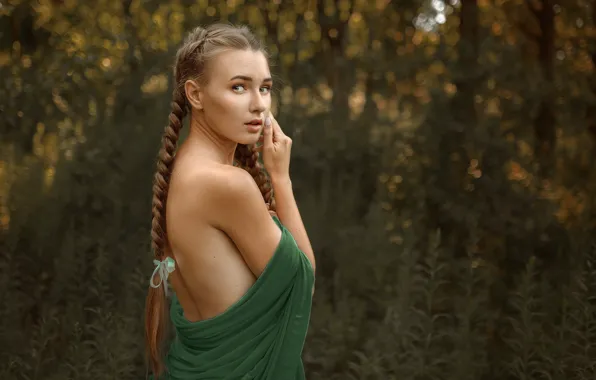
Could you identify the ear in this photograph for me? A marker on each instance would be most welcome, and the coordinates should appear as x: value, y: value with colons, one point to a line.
x: 193, y: 94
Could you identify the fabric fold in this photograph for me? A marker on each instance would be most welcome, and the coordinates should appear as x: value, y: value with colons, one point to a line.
x: 260, y: 337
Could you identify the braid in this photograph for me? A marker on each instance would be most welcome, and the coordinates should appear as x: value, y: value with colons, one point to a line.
x: 161, y: 181
x: 156, y: 325
x: 248, y: 159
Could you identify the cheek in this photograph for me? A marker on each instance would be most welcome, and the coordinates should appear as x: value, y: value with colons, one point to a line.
x: 230, y: 101
x: 215, y: 108
x: 224, y: 111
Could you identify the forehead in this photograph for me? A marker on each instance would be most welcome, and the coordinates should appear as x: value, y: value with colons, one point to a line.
x: 240, y: 62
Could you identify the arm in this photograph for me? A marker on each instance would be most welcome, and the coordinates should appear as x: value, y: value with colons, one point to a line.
x: 237, y: 208
x: 289, y: 215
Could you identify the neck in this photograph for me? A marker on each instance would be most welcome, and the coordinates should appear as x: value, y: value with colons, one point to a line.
x: 211, y: 144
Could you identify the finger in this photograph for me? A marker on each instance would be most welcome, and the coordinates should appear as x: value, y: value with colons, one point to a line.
x: 278, y: 134
x: 268, y: 132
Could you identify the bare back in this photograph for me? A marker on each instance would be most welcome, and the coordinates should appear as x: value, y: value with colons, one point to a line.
x: 211, y: 274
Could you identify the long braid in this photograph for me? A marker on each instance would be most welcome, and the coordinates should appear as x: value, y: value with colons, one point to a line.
x: 248, y: 159
x: 156, y: 324
x: 161, y: 182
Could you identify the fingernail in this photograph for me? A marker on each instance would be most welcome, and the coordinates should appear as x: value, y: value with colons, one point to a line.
x: 267, y: 121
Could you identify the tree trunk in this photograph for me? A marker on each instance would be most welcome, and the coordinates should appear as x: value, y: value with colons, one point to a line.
x: 592, y: 108
x: 463, y: 102
x: 451, y: 174
x: 338, y: 70
x: 544, y: 123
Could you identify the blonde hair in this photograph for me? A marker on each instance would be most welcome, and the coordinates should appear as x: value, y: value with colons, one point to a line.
x: 192, y: 61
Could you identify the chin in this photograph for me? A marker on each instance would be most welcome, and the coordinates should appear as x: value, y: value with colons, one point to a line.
x: 249, y: 139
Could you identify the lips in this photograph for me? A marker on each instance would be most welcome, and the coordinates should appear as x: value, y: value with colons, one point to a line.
x: 255, y: 122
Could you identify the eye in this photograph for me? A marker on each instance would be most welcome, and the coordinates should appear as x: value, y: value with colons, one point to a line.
x: 266, y: 89
x: 236, y: 86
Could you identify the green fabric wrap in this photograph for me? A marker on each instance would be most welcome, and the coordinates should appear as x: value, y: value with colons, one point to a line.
x: 260, y: 337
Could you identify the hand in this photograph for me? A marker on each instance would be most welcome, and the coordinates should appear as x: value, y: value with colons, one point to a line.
x: 276, y: 149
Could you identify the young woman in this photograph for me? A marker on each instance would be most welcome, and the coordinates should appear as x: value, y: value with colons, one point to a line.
x: 239, y: 261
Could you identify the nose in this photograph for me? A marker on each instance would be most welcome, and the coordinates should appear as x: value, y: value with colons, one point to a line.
x: 257, y: 103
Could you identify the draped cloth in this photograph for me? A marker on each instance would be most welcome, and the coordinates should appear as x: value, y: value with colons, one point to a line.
x: 260, y: 337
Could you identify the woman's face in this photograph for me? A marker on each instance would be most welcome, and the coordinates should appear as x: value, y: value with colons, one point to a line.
x: 237, y: 94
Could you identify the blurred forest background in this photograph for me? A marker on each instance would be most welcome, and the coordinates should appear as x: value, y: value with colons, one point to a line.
x: 443, y: 163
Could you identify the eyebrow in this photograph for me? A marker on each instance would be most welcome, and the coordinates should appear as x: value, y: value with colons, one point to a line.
x: 249, y: 79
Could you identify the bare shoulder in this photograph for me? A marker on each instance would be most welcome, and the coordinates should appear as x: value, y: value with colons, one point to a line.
x: 232, y: 202
x: 223, y: 188
x: 226, y: 183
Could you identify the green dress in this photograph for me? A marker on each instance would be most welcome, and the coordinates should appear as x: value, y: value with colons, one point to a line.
x: 260, y: 337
